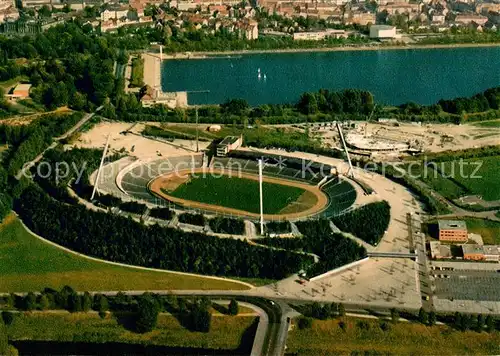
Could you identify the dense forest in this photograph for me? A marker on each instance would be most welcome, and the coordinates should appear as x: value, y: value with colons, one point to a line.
x: 68, y: 65
x: 368, y: 222
x: 26, y: 142
x: 120, y: 239
x: 334, y: 250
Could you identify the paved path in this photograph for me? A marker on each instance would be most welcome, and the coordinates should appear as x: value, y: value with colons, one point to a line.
x: 28, y: 165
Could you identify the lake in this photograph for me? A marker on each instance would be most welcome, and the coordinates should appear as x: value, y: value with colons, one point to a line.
x: 393, y: 76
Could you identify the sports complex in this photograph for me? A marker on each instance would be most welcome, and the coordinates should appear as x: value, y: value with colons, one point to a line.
x: 293, y: 189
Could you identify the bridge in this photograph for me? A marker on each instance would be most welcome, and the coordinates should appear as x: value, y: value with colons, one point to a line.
x: 392, y: 254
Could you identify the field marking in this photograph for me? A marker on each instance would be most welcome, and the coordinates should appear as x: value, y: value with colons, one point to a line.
x: 321, y: 202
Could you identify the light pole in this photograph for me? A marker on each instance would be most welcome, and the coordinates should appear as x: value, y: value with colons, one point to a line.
x: 261, y: 199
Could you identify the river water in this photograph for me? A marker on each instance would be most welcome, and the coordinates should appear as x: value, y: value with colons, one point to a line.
x: 393, y: 76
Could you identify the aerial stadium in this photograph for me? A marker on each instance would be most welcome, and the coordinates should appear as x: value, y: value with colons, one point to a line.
x: 228, y: 184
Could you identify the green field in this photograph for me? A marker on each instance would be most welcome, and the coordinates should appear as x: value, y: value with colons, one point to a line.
x: 327, y: 338
x: 137, y: 75
x: 476, y: 176
x: 226, y: 332
x: 237, y: 193
x: 29, y: 264
x: 488, y: 229
x: 493, y: 123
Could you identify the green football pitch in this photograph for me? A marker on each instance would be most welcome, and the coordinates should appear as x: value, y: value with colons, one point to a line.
x: 237, y: 193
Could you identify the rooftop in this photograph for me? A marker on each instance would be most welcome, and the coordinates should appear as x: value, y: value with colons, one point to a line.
x: 382, y: 27
x: 491, y: 249
x: 23, y: 87
x: 472, y: 249
x: 452, y: 225
x: 229, y: 140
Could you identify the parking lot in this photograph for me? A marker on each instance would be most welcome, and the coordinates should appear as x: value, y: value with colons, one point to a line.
x: 481, y: 286
x: 388, y: 282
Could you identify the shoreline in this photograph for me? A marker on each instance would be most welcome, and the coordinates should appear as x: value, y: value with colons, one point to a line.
x: 210, y: 54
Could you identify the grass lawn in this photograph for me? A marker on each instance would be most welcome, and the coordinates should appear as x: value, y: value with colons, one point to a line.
x: 327, y: 338
x: 476, y: 176
x: 237, y: 193
x: 488, y: 229
x: 492, y: 123
x: 137, y: 75
x: 226, y: 332
x: 488, y: 185
x: 29, y: 264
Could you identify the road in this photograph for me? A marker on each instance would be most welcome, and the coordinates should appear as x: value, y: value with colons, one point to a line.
x: 27, y: 166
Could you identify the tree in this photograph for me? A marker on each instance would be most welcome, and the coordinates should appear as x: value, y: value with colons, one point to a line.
x: 490, y: 323
x: 200, y: 319
x: 341, y: 309
x: 308, y: 103
x: 44, y: 303
x: 233, y: 307
x: 432, y: 318
x: 457, y: 320
x: 422, y: 316
x: 235, y: 107
x: 86, y: 302
x: 74, y: 303
x: 7, y: 317
x: 30, y: 301
x: 4, y: 341
x: 480, y: 323
x: 101, y: 303
x: 304, y: 323
x: 394, y: 315
x: 147, y: 313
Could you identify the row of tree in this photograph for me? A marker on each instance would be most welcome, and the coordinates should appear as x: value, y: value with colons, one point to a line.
x: 193, y: 313
x: 120, y: 239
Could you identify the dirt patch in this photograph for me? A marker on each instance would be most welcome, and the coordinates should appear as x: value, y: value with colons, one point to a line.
x: 172, y: 182
x: 311, y: 202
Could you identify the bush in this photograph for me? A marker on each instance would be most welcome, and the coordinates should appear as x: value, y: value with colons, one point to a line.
x: 304, y: 323
x: 147, y: 314
x: 233, y: 307
x: 108, y: 200
x: 334, y: 250
x: 227, y: 226
x: 133, y: 207
x: 8, y: 317
x: 368, y: 222
x: 363, y: 325
x: 161, y: 213
x: 193, y: 219
x: 278, y: 227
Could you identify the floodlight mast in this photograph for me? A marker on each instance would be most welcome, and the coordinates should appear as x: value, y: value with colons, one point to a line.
x: 261, y: 199
x: 100, y: 168
x: 350, y: 172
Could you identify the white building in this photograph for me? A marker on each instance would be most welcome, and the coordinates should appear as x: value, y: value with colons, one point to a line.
x: 114, y: 13
x: 382, y: 31
x: 319, y: 35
